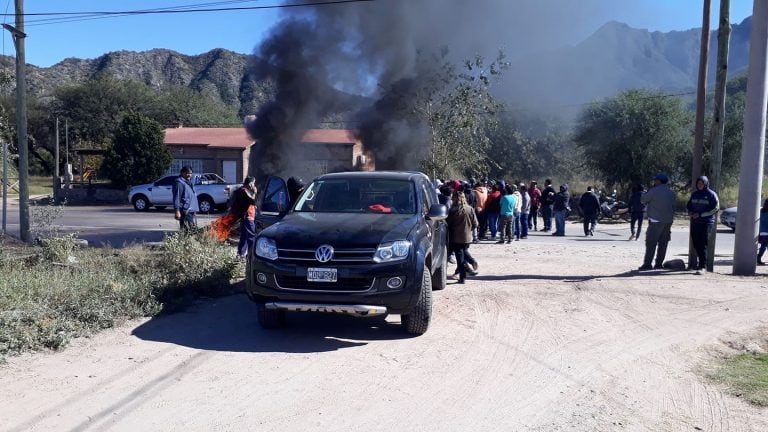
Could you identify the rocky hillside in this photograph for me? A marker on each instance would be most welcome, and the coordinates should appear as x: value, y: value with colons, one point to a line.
x: 614, y: 58
x: 220, y: 74
x: 617, y: 57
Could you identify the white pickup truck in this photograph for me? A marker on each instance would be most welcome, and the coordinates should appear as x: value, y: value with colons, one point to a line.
x: 212, y: 193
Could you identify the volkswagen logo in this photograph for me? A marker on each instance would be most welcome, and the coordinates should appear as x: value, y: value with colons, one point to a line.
x: 324, y: 253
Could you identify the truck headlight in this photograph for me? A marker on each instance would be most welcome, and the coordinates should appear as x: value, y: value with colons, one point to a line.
x: 392, y: 251
x: 266, y: 248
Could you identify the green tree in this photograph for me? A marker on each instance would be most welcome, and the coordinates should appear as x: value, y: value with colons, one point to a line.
x: 459, y: 110
x: 96, y: 107
x: 527, y: 146
x: 138, y: 154
x: 634, y: 135
x: 187, y: 107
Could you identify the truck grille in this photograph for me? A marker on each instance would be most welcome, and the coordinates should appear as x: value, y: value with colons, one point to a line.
x: 346, y: 284
x: 339, y: 255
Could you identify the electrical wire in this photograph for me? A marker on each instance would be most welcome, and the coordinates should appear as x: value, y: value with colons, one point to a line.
x: 64, y: 17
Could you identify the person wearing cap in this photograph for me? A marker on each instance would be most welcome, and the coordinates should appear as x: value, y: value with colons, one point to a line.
x: 660, y: 203
x: 185, y: 200
x: 702, y: 209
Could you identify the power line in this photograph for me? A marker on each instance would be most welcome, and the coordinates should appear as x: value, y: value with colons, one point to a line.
x: 62, y: 17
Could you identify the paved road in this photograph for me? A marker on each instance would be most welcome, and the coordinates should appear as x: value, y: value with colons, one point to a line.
x: 113, y: 225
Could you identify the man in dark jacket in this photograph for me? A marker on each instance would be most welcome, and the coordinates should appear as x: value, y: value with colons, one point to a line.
x: 561, y: 207
x: 185, y: 200
x: 702, y: 209
x: 590, y: 208
x: 547, y: 201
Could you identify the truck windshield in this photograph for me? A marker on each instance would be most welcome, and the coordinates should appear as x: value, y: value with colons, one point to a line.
x: 358, y: 196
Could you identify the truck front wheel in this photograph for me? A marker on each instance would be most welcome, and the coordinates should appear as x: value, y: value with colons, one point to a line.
x: 416, y: 321
x: 270, y: 318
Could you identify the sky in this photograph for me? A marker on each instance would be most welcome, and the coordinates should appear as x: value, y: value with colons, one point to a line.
x: 194, y: 33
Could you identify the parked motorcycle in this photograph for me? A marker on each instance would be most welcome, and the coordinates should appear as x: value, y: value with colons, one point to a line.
x: 614, y: 209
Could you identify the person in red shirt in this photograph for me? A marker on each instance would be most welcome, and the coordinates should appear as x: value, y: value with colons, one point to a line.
x: 535, y: 193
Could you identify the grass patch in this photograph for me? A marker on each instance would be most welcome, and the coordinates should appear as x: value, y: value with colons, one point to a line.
x: 745, y: 376
x: 52, y: 293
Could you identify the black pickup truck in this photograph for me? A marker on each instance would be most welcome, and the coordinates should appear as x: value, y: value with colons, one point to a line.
x: 359, y: 243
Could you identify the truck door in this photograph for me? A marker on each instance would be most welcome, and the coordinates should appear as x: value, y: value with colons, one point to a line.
x: 438, y: 227
x: 162, y: 191
x: 272, y: 202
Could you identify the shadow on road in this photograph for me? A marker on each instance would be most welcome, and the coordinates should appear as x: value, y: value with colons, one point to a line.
x: 230, y: 324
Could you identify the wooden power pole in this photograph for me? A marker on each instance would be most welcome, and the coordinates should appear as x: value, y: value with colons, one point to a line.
x: 718, y: 120
x: 701, y: 100
x: 21, y: 119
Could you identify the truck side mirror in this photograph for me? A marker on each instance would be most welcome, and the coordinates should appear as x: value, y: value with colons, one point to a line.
x: 437, y: 212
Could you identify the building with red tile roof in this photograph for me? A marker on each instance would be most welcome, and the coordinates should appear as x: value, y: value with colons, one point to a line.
x: 225, y: 151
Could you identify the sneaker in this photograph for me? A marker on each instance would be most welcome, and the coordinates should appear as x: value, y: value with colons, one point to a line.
x: 471, y: 272
x: 516, y: 239
x: 454, y: 276
x: 632, y: 236
x: 645, y: 267
x: 591, y: 233
x: 509, y: 241
x: 462, y: 281
x: 524, y: 237
x: 475, y: 266
x: 501, y: 241
x: 658, y: 267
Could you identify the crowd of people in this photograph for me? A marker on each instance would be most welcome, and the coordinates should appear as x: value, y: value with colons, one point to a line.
x: 504, y: 212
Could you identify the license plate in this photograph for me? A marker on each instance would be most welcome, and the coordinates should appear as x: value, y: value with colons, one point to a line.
x: 321, y: 275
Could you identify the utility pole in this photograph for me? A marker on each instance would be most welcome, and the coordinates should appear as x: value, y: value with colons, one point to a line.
x: 5, y: 184
x: 21, y: 119
x: 701, y: 100
x: 752, y: 148
x: 718, y: 120
x: 56, y: 169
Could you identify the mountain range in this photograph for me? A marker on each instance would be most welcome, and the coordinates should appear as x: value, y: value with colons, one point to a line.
x: 618, y: 57
x: 614, y: 58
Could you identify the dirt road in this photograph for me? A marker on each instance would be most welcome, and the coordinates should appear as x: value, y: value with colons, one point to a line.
x: 555, y: 334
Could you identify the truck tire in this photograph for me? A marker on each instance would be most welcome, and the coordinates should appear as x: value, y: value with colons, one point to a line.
x: 441, y: 274
x: 205, y: 203
x: 140, y: 203
x: 269, y: 318
x: 416, y: 322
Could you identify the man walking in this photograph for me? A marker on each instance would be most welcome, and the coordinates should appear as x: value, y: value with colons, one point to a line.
x: 185, y: 200
x: 660, y: 201
x: 702, y: 208
x: 590, y: 208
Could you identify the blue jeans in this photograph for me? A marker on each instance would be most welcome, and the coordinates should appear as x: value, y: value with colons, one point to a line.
x: 247, y: 236
x: 546, y: 215
x: 524, y: 225
x: 560, y: 222
x: 493, y: 221
x: 516, y: 224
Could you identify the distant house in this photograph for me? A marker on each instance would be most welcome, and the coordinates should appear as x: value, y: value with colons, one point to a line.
x: 225, y: 151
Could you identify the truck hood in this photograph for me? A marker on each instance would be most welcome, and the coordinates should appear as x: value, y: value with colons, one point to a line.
x: 341, y: 230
